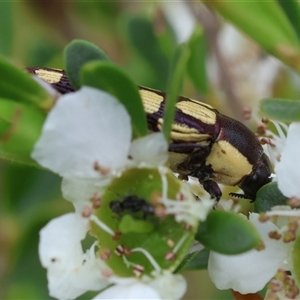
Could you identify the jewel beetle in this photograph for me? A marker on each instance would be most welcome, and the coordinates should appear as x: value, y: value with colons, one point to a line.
x: 204, y: 144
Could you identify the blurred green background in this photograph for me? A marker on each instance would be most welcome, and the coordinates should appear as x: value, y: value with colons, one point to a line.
x: 140, y: 38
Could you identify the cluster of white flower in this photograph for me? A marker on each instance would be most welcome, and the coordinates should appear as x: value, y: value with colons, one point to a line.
x: 278, y: 263
x: 87, y: 139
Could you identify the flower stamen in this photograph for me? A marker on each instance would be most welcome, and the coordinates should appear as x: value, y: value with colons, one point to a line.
x: 102, y: 225
x: 149, y: 257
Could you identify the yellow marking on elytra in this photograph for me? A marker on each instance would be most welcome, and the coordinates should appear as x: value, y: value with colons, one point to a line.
x: 151, y: 101
x: 229, y: 164
x: 183, y: 128
x: 198, y: 111
x: 49, y: 76
x: 189, y: 137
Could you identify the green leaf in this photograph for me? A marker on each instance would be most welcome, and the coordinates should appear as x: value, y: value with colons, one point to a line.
x: 106, y: 76
x: 266, y: 23
x: 142, y: 36
x: 227, y: 233
x: 177, y: 71
x: 197, y: 62
x: 268, y: 196
x: 195, y: 261
x: 6, y: 27
x: 19, y: 86
x: 76, y: 54
x: 20, y: 127
x: 292, y: 11
x: 296, y: 260
x: 285, y: 110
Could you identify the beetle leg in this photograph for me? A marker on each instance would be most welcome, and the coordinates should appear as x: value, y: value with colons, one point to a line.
x: 205, y: 174
x: 194, y: 160
x: 212, y: 188
x: 241, y: 196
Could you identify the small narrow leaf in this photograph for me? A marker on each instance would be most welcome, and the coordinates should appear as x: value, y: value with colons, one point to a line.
x: 6, y: 27
x: 195, y: 261
x: 196, y: 64
x: 107, y: 77
x: 177, y: 71
x: 292, y: 11
x: 296, y: 260
x: 285, y: 110
x: 227, y: 233
x: 268, y: 196
x: 76, y: 54
x: 19, y: 86
x: 20, y: 127
x: 142, y: 36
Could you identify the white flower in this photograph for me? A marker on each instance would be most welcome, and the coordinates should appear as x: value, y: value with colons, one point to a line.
x: 70, y: 271
x: 84, y: 129
x: 151, y: 149
x: 288, y: 169
x: 181, y: 19
x: 86, y: 139
x: 249, y: 272
x: 80, y: 191
x: 162, y: 286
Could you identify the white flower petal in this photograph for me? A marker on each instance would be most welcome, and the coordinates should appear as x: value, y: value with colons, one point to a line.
x: 80, y: 190
x: 288, y: 169
x: 169, y: 286
x: 70, y: 272
x: 48, y: 87
x: 132, y: 290
x: 71, y: 283
x: 181, y: 18
x: 84, y: 128
x: 152, y: 149
x: 250, y: 271
x: 60, y: 240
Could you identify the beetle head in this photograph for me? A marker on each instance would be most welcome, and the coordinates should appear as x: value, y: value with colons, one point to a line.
x: 258, y: 177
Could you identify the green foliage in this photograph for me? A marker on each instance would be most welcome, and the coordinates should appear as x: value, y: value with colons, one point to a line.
x: 196, y: 66
x: 20, y: 124
x: 107, y: 77
x: 177, y: 71
x: 19, y: 86
x: 30, y: 197
x: 197, y: 260
x: 78, y: 53
x: 292, y: 11
x: 145, y: 42
x: 6, y: 27
x: 266, y: 23
x: 268, y: 196
x: 285, y: 110
x: 296, y: 260
x: 227, y: 233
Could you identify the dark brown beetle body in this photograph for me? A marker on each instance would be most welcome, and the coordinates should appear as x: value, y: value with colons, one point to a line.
x: 204, y: 143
